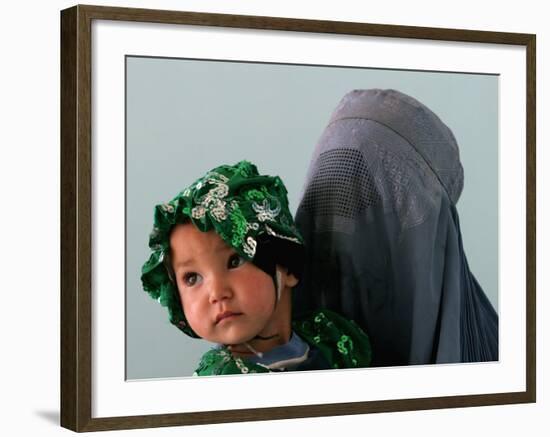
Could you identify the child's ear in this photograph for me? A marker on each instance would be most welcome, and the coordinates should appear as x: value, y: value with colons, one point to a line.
x: 288, y: 279
x: 292, y: 280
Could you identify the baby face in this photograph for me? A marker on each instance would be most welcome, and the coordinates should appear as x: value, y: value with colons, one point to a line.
x: 226, y: 299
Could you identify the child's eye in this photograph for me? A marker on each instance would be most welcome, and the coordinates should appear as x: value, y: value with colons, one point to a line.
x: 190, y: 279
x: 235, y: 261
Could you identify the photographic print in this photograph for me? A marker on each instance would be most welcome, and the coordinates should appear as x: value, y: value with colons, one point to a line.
x: 186, y: 117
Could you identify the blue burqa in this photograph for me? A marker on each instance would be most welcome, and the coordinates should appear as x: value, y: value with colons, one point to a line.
x: 383, y: 238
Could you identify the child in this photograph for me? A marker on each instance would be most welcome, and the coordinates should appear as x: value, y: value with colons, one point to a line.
x: 225, y: 256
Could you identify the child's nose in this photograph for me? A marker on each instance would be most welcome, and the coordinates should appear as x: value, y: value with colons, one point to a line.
x: 219, y: 290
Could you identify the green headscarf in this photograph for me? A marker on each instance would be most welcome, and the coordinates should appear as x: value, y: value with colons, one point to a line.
x: 246, y: 209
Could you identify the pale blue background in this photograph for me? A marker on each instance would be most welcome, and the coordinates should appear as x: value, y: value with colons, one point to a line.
x: 186, y: 116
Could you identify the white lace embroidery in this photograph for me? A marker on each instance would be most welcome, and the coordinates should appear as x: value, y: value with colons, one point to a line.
x: 275, y: 234
x: 249, y: 247
x: 264, y: 212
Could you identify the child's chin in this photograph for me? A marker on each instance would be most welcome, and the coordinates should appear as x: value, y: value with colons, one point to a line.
x: 236, y: 340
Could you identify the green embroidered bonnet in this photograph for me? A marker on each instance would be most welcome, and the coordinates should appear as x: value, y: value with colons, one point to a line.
x: 247, y: 210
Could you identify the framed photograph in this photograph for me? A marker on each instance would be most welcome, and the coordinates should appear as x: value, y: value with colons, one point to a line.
x: 151, y: 100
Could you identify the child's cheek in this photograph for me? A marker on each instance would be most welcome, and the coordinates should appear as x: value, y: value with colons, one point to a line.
x: 195, y: 318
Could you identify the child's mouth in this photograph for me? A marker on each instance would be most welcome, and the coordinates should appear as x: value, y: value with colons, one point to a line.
x: 226, y: 315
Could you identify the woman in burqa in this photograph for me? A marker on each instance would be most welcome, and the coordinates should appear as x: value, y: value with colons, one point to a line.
x: 384, y: 248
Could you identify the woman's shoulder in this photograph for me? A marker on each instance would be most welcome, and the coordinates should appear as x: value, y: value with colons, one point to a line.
x: 343, y: 343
